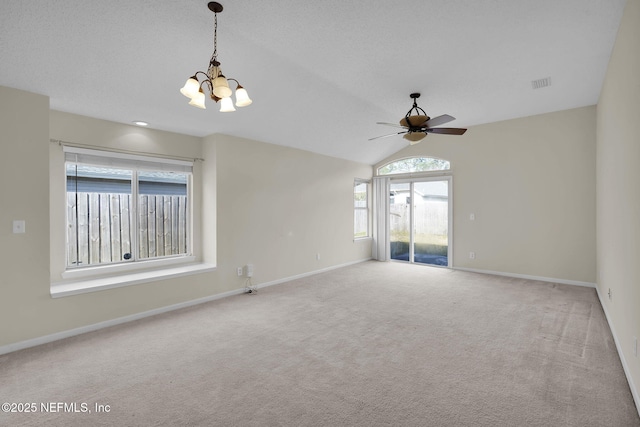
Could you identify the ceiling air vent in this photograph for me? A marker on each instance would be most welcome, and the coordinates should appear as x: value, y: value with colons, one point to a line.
x: 540, y: 83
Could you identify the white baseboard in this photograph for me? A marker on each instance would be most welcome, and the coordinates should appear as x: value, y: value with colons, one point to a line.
x: 625, y: 366
x: 113, y: 322
x: 526, y: 276
x: 311, y: 273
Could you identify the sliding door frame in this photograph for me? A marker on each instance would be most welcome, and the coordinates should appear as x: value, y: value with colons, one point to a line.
x: 427, y: 178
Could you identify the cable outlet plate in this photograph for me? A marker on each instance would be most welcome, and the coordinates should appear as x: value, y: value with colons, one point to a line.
x: 19, y: 226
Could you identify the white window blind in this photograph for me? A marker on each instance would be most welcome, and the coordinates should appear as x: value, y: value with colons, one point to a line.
x: 124, y: 160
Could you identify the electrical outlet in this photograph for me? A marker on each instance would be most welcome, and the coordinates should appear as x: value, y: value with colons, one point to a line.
x: 239, y: 271
x: 472, y: 255
x: 318, y: 257
x: 610, y: 296
x: 472, y: 217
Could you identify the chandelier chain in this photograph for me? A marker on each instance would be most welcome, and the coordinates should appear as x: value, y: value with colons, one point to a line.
x: 215, y: 37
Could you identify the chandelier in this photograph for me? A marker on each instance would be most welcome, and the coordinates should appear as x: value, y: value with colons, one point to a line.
x: 214, y: 81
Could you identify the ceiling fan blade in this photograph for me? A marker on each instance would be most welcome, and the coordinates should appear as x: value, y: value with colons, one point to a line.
x: 440, y: 120
x: 386, y: 136
x: 390, y: 124
x: 446, y: 131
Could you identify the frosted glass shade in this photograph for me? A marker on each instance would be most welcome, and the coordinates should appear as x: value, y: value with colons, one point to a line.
x: 242, y: 97
x: 198, y: 100
x: 221, y: 87
x: 226, y: 105
x: 414, y: 137
x: 190, y: 88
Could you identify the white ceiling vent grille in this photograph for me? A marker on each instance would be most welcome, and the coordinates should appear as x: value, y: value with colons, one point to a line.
x: 540, y: 83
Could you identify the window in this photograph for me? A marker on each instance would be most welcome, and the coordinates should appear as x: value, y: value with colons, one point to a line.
x: 125, y: 208
x: 414, y: 164
x: 361, y: 208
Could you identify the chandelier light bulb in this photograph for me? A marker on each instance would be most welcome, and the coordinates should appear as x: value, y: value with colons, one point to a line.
x: 198, y: 100
x: 221, y: 87
x: 226, y: 105
x: 191, y: 87
x: 242, y: 97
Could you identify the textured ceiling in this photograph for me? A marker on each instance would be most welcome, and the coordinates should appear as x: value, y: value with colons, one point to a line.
x: 320, y: 73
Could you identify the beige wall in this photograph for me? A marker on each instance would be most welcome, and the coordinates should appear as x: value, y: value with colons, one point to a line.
x: 279, y: 207
x: 531, y: 184
x: 261, y: 202
x: 618, y: 189
x: 24, y: 191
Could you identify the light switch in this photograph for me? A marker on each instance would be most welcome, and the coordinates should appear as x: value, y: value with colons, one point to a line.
x: 19, y: 226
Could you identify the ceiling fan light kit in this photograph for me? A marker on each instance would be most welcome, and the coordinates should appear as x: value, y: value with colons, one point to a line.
x: 213, y: 80
x: 414, y: 137
x: 417, y: 124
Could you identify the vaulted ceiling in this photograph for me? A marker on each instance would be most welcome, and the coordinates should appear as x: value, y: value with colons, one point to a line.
x: 321, y: 73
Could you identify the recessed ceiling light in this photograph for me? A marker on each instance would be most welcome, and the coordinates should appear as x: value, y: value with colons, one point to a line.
x: 140, y: 123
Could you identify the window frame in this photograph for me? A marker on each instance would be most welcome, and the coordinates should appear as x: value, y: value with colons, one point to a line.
x: 366, y: 208
x: 136, y: 163
x: 404, y: 159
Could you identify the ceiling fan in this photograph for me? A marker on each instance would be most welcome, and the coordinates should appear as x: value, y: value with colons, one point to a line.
x: 416, y: 124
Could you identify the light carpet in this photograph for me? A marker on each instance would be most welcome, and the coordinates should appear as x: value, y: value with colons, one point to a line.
x: 373, y: 344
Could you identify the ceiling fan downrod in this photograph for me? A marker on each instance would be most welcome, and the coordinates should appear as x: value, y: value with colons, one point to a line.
x: 412, y: 125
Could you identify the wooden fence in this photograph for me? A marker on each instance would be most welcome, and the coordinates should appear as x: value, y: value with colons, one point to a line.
x: 431, y: 221
x: 361, y: 222
x: 99, y: 227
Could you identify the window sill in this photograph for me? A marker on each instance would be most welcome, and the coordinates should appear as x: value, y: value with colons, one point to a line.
x: 87, y: 273
x: 68, y: 288
x: 360, y: 239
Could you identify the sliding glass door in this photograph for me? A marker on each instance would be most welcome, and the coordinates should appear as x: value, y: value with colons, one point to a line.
x: 420, y: 221
x: 400, y: 221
